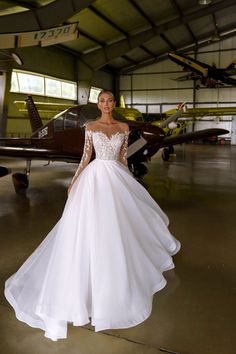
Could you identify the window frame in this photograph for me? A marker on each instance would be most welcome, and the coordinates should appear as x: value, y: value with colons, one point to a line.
x: 45, y: 77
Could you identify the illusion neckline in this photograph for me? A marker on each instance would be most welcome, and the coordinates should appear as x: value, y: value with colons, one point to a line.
x: 108, y: 137
x: 116, y: 123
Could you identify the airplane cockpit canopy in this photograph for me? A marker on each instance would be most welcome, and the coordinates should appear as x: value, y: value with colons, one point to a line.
x: 77, y: 117
x: 87, y: 113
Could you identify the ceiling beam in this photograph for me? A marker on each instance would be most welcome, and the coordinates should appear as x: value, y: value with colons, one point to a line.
x: 145, y: 49
x: 107, y: 19
x: 29, y: 6
x: 187, y: 47
x: 47, y: 16
x: 142, y: 13
x: 100, y: 57
x: 126, y: 57
x: 23, y: 4
x: 180, y: 13
x: 170, y: 44
x: 91, y: 38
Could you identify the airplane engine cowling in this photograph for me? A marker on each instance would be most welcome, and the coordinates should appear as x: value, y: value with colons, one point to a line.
x: 4, y: 171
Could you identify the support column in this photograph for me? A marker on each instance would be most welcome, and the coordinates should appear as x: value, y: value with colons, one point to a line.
x: 233, y: 131
x: 116, y: 88
x: 4, y: 95
x: 84, y: 78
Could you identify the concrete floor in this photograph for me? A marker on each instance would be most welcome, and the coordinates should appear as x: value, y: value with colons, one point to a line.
x: 196, y: 312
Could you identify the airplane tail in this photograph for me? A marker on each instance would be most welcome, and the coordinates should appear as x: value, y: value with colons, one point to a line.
x: 231, y: 66
x: 35, y: 120
x: 122, y: 101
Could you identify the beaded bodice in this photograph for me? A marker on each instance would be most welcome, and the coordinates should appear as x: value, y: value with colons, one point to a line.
x: 107, y: 148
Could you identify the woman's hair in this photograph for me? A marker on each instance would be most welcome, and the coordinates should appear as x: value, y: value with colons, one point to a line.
x: 106, y: 91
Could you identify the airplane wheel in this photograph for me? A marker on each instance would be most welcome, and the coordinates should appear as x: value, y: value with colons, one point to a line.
x: 4, y: 171
x: 171, y: 149
x: 21, y: 182
x: 165, y: 154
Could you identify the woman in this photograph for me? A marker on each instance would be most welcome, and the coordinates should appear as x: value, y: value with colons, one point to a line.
x: 104, y: 259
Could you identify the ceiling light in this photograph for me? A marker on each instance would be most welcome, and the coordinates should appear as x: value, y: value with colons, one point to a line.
x: 17, y: 59
x: 204, y: 2
x: 11, y: 57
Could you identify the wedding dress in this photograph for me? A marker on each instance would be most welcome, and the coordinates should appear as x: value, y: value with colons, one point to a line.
x: 104, y: 259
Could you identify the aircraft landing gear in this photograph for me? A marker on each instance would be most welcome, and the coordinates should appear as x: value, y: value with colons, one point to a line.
x: 166, y: 152
x: 138, y: 169
x: 21, y: 180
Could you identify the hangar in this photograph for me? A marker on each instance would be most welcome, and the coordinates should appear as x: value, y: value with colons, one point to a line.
x: 123, y: 46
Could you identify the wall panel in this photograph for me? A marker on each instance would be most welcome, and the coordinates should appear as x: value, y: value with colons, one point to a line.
x: 154, y: 88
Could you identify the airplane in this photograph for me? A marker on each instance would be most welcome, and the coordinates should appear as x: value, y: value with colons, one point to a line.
x: 208, y: 75
x: 62, y: 139
x: 48, y: 109
x: 168, y: 124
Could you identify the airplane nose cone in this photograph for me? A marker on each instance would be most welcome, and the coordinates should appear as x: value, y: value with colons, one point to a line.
x: 153, y: 133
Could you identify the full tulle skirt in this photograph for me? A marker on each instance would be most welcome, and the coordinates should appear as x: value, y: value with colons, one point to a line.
x: 102, y: 262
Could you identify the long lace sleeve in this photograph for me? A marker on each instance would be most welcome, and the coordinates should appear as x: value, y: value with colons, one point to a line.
x: 124, y: 149
x: 87, y: 153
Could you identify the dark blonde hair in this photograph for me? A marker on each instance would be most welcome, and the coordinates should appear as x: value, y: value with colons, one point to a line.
x: 108, y: 92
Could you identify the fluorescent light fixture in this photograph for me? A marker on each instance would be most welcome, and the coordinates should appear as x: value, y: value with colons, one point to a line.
x: 11, y: 57
x: 17, y: 59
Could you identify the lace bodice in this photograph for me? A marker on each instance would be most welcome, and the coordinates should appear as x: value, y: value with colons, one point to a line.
x: 112, y: 146
x: 107, y: 148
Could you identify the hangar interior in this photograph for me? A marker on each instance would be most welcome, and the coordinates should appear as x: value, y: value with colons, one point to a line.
x: 123, y: 46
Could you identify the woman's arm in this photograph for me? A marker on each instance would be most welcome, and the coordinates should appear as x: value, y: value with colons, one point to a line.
x: 87, y: 153
x: 124, y: 148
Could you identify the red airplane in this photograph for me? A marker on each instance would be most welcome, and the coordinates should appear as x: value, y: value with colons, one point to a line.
x: 62, y: 139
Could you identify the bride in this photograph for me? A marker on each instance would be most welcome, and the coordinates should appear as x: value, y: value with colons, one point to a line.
x: 103, y: 260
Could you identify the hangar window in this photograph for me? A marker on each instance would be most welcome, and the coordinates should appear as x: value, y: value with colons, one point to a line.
x: 68, y: 90
x: 93, y: 95
x: 14, y: 82
x: 53, y: 87
x: 32, y: 83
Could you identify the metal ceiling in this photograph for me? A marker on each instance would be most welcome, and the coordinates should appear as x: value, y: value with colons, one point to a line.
x: 124, y: 35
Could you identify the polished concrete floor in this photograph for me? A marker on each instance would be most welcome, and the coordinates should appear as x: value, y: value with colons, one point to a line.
x: 196, y: 312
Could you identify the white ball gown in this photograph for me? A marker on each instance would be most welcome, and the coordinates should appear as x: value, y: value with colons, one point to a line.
x: 103, y: 261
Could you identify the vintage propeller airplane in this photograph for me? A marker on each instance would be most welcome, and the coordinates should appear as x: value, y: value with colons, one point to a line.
x: 208, y: 75
x: 62, y: 139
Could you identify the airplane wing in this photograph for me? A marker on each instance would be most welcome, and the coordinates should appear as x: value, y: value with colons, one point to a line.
x: 190, y: 64
x: 211, y: 111
x: 201, y: 134
x: 189, y: 76
x: 46, y: 110
x: 31, y: 153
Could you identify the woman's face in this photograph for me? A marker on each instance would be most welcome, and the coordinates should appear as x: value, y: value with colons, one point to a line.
x: 106, y: 103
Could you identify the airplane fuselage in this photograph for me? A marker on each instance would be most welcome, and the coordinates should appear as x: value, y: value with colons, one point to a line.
x: 210, y: 75
x: 65, y: 133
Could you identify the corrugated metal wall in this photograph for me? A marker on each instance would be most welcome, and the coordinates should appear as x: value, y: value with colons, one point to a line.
x: 153, y: 89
